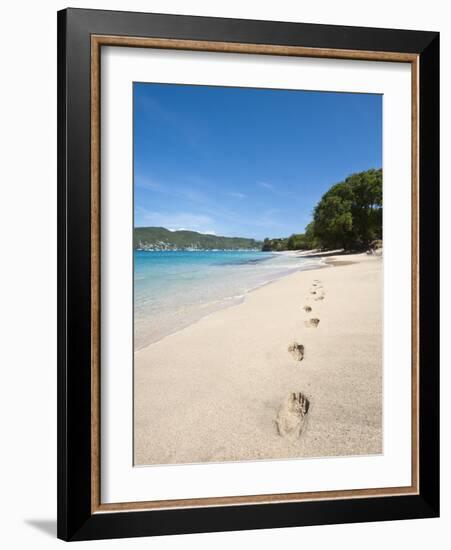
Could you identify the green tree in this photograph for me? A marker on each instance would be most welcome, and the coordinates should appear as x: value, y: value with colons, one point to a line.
x: 310, y: 236
x: 276, y: 245
x: 349, y: 215
x: 299, y: 241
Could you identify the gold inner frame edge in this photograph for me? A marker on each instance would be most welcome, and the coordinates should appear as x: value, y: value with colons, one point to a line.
x: 97, y: 41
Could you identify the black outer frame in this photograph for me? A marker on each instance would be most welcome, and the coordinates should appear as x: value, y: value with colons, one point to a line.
x: 75, y: 520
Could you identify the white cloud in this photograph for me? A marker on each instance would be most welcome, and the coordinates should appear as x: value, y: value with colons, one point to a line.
x: 179, y: 191
x: 147, y: 183
x: 265, y: 185
x: 274, y: 190
x: 236, y: 195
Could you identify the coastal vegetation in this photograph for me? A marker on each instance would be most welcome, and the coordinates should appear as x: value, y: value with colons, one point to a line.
x: 159, y: 238
x: 348, y: 216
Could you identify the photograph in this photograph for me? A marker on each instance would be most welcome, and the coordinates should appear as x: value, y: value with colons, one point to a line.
x: 257, y: 274
x: 248, y: 259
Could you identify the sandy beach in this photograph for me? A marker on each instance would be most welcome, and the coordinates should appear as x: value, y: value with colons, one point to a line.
x: 293, y: 371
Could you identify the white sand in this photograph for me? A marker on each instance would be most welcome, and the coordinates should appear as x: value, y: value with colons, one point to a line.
x: 213, y: 391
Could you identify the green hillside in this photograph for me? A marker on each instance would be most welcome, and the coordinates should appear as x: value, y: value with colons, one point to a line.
x: 159, y: 238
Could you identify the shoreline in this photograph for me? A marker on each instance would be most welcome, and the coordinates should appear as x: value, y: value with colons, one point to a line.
x: 212, y: 392
x: 235, y: 300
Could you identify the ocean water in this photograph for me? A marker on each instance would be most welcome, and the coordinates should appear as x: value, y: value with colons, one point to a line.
x: 173, y: 289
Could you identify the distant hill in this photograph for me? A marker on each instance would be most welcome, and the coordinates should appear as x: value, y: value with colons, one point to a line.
x: 159, y: 238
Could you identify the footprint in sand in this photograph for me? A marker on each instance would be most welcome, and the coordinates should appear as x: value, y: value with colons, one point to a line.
x: 314, y: 322
x: 297, y: 351
x: 292, y: 416
x: 318, y: 292
x: 308, y: 309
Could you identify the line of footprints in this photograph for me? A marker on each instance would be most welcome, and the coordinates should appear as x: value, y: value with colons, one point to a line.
x: 292, y: 416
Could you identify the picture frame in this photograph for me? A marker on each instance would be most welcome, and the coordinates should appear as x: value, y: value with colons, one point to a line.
x: 81, y: 36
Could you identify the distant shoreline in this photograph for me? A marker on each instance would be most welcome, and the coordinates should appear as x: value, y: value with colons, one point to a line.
x: 161, y: 238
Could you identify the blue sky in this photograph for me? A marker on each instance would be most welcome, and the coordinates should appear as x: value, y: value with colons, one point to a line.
x: 246, y: 162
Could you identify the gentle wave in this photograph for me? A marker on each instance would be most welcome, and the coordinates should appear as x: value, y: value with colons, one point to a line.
x: 175, y: 289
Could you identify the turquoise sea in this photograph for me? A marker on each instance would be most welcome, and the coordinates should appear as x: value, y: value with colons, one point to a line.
x: 173, y: 289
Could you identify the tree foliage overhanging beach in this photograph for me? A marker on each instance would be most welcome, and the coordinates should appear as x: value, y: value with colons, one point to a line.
x: 348, y: 216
